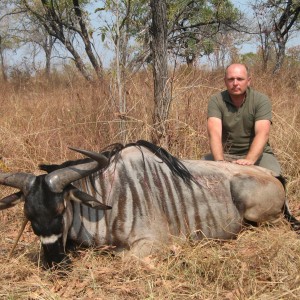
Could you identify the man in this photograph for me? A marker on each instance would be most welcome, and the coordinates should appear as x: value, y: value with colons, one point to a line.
x: 239, y: 121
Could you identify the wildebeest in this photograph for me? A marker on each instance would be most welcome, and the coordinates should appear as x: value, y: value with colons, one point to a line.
x: 135, y: 197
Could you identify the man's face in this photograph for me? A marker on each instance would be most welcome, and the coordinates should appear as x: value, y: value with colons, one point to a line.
x: 237, y: 80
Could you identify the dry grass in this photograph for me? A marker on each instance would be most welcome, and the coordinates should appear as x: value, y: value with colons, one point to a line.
x: 39, y: 121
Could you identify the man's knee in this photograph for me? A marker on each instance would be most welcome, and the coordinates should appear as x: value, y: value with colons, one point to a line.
x: 269, y: 161
x: 208, y: 156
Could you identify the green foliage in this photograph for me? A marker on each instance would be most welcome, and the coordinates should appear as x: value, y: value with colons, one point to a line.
x: 133, y: 13
x: 60, y: 4
x: 193, y: 25
x: 201, y: 12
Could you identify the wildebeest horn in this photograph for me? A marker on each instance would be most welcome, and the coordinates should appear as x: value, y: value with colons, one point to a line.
x: 59, y: 179
x: 21, y: 181
x: 100, y: 158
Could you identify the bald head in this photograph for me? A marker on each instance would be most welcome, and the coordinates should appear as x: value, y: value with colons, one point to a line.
x: 238, y: 66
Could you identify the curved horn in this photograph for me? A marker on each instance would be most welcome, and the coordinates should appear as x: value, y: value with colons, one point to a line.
x: 100, y: 158
x: 59, y: 179
x: 21, y: 181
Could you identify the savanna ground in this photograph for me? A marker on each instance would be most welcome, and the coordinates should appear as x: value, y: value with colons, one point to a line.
x: 39, y: 120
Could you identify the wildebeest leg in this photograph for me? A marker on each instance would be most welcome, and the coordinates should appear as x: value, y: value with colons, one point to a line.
x: 257, y: 200
x: 295, y: 224
x: 143, y: 247
x: 249, y: 223
x: 150, y: 240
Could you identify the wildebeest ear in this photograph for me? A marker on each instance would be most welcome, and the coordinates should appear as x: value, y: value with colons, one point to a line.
x: 48, y: 168
x: 86, y: 199
x: 11, y: 200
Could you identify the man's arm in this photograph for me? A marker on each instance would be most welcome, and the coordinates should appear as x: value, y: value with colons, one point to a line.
x: 262, y: 131
x: 214, y: 129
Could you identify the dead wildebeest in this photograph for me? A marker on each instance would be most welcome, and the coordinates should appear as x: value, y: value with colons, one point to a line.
x: 135, y: 197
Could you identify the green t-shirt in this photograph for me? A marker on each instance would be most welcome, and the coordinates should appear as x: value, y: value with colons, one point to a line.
x: 238, y: 123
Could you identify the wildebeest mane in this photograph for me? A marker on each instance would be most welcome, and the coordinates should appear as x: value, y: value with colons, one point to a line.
x: 175, y: 165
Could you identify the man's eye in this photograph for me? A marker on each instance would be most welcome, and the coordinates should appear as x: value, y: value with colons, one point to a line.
x: 237, y: 79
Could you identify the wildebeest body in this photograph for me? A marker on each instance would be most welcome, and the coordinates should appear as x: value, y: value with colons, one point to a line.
x: 143, y: 197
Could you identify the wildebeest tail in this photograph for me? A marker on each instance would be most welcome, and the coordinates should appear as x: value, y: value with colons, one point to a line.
x: 295, y: 224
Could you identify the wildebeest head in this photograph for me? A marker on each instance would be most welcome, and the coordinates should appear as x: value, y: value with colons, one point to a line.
x: 45, y: 200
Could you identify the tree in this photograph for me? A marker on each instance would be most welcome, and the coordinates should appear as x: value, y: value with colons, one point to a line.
x: 159, y: 47
x: 7, y: 39
x: 193, y: 26
x: 2, y: 60
x: 120, y: 25
x: 288, y: 18
x: 276, y: 22
x: 31, y: 33
x: 23, y: 29
x: 66, y: 21
x: 47, y: 44
x: 264, y: 33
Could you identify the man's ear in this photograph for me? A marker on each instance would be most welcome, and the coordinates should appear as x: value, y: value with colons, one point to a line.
x: 249, y: 81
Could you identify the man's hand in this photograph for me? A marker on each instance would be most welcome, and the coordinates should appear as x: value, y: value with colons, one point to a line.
x: 244, y: 162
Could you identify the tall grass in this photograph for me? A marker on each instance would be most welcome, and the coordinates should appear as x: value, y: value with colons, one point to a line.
x: 40, y: 120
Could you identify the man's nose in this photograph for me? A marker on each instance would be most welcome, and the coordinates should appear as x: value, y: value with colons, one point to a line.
x: 235, y: 81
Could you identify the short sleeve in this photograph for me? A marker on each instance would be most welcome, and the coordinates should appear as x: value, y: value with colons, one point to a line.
x: 263, y: 109
x: 213, y: 109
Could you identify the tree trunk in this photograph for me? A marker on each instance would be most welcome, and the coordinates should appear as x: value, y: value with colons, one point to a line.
x: 78, y: 61
x: 265, y: 42
x: 47, y: 45
x: 288, y: 19
x: 48, y: 63
x: 120, y: 79
x: 65, y: 30
x: 162, y: 98
x: 280, y: 53
x: 2, y: 65
x: 87, y: 43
